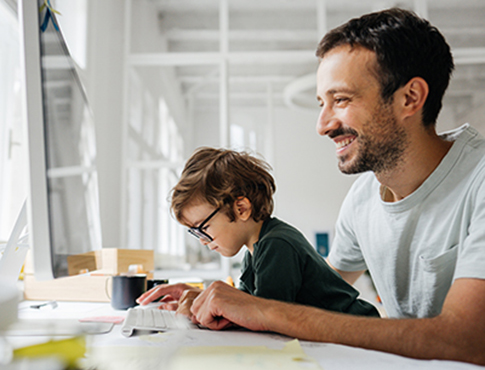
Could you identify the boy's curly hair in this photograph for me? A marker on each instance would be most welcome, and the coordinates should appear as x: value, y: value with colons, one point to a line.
x: 221, y: 176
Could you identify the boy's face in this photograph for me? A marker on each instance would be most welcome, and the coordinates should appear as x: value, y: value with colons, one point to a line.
x: 227, y: 237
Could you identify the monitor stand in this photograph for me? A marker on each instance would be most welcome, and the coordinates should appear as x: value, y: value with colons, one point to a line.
x: 10, y: 266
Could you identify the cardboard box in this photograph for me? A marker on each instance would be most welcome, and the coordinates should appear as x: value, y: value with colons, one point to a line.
x: 92, y: 284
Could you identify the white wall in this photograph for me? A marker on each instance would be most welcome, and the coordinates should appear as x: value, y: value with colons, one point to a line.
x: 310, y: 186
x: 475, y: 116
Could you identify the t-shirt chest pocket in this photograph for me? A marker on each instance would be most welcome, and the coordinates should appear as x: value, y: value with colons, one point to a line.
x: 435, y: 277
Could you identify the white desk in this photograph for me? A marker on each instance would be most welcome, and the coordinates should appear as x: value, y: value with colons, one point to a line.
x: 114, y: 351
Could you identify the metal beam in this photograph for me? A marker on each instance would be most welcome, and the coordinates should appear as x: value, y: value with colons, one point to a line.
x: 240, y: 35
x: 462, y: 56
x: 214, y: 58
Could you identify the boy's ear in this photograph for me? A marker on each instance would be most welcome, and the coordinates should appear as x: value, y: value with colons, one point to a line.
x: 243, y: 208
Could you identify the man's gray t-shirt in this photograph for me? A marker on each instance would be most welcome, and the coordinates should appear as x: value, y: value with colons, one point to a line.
x: 415, y: 248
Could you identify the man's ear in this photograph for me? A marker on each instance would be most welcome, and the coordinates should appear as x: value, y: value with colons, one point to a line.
x: 243, y: 208
x: 414, y: 96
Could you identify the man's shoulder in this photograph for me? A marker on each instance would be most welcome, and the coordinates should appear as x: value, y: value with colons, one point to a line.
x: 465, y: 134
x: 471, y: 147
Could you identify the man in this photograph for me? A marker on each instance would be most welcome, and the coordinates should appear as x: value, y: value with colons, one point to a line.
x: 415, y: 219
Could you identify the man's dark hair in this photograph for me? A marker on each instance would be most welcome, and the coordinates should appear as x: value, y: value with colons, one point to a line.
x: 406, y: 46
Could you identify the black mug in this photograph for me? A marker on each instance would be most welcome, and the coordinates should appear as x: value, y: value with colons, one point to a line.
x: 125, y: 289
x: 152, y: 283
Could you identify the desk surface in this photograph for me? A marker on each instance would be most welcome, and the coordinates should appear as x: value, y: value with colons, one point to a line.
x: 114, y: 351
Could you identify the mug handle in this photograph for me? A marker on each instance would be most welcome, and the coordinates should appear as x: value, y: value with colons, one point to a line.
x: 110, y: 278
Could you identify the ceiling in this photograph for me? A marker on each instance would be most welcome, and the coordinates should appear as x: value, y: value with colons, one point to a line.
x: 268, y: 46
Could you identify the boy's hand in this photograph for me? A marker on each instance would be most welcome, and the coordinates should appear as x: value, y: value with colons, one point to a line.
x: 171, y: 294
x: 185, y: 303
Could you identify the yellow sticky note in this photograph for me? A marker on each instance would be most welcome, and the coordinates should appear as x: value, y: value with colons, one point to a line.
x: 69, y: 351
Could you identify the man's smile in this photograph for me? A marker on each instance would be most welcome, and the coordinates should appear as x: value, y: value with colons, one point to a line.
x: 343, y: 142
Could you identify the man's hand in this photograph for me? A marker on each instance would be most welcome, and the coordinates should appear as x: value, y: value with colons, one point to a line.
x: 221, y: 306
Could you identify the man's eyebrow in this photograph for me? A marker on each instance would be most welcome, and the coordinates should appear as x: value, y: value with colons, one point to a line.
x: 333, y: 91
x: 337, y: 90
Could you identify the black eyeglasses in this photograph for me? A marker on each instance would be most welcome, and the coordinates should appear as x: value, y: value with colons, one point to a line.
x: 201, y: 234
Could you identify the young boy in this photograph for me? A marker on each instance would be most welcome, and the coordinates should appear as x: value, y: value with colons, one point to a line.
x: 226, y: 199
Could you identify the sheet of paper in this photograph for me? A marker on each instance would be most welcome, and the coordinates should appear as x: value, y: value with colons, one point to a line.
x: 127, y: 358
x: 290, y: 357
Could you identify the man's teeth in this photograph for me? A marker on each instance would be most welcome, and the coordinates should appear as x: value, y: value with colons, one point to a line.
x: 344, y: 142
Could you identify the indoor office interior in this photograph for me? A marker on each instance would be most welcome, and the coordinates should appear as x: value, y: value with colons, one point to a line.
x: 164, y: 77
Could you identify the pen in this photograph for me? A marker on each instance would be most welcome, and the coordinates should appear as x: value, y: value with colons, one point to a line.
x: 230, y: 281
x: 53, y: 305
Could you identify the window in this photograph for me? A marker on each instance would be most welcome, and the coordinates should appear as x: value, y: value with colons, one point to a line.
x: 154, y: 160
x: 12, y: 158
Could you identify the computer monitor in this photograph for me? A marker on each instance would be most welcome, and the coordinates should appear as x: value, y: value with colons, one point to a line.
x: 62, y: 203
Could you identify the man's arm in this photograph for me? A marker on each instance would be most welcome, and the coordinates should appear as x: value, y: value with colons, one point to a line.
x: 458, y: 333
x: 349, y: 276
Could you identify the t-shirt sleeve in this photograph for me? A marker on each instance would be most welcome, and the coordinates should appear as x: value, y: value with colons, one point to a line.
x: 277, y: 270
x: 345, y: 253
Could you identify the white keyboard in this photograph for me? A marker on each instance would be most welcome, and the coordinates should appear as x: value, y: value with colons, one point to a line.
x: 154, y: 320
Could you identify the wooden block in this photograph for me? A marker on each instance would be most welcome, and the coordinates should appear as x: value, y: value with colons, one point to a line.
x: 112, y: 261
x: 101, y: 264
x: 82, y: 263
x: 117, y: 261
x: 72, y: 288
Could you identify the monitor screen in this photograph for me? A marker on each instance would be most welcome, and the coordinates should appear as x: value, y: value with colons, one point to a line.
x: 62, y: 204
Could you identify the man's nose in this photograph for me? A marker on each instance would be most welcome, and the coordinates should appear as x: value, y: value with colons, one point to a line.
x: 326, y: 121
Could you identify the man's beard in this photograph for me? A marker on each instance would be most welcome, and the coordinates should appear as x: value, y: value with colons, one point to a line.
x: 380, y: 145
